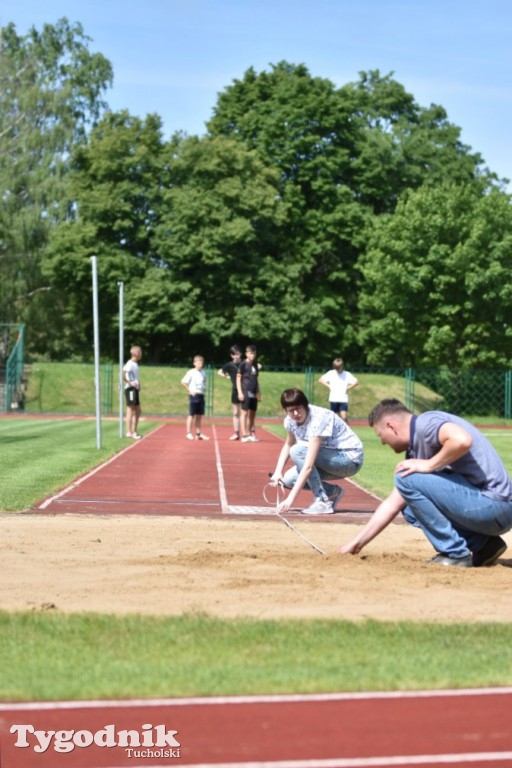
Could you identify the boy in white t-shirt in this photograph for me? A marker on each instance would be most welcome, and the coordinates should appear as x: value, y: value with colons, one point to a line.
x: 131, y: 392
x: 194, y: 382
x: 338, y: 382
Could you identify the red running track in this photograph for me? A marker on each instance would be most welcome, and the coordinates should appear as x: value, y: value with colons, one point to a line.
x: 458, y: 728
x: 165, y: 474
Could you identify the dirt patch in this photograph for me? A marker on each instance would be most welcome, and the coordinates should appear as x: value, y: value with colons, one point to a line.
x: 171, y: 565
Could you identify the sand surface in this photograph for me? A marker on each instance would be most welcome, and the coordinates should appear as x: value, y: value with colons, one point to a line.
x: 237, y: 567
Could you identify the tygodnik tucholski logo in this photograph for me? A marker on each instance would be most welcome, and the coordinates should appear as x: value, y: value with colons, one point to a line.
x: 150, y: 741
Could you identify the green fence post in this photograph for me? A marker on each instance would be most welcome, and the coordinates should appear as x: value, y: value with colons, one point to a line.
x: 309, y: 385
x: 508, y: 395
x: 210, y: 379
x: 409, y: 388
x: 107, y: 388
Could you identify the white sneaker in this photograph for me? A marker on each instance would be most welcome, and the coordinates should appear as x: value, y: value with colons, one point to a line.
x: 200, y: 436
x: 235, y: 436
x: 319, y: 507
x: 252, y: 439
x: 190, y: 436
x: 136, y: 436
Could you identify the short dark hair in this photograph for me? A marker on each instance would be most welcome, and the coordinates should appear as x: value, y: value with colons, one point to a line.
x: 294, y: 397
x: 385, y: 407
x: 235, y: 350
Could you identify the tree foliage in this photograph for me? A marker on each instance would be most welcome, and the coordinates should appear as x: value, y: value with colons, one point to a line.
x: 312, y: 219
x: 436, y: 289
x: 50, y: 89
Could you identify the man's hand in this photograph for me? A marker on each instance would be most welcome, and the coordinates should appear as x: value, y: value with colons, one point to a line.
x: 352, y: 548
x: 409, y: 466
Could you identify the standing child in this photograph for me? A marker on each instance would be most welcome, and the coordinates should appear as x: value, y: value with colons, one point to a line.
x: 248, y: 393
x: 229, y: 371
x: 338, y: 382
x: 131, y: 393
x: 194, y: 381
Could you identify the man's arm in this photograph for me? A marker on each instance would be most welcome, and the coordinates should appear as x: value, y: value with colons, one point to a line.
x: 455, y: 442
x: 239, y: 386
x: 381, y: 518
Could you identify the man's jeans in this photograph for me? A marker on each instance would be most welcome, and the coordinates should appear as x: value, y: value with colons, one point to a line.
x: 329, y: 465
x: 454, y: 515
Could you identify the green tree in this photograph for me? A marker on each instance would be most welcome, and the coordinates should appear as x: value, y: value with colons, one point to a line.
x: 218, y: 241
x: 343, y: 157
x: 50, y: 93
x: 436, y: 287
x: 400, y: 145
x: 116, y: 183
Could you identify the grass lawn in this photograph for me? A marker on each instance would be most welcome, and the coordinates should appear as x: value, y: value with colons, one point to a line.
x: 58, y: 656
x: 52, y: 656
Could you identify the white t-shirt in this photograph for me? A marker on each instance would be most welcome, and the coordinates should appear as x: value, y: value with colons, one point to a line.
x: 338, y: 383
x: 131, y: 370
x: 195, y: 381
x: 335, y: 433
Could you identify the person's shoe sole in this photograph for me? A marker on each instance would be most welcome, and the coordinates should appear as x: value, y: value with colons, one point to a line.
x: 490, y: 552
x: 458, y: 562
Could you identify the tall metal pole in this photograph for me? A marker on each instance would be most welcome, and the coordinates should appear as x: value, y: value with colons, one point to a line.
x: 121, y: 357
x: 96, y: 348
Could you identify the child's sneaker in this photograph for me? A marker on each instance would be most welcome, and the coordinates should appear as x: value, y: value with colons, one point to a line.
x: 319, y: 507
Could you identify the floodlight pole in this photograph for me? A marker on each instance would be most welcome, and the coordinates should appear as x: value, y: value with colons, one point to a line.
x: 96, y: 348
x: 121, y: 357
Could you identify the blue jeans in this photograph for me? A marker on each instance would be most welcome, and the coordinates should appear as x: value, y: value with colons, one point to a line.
x: 455, y: 516
x: 329, y: 465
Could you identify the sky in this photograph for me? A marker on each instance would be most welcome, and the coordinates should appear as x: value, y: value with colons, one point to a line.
x: 173, y: 57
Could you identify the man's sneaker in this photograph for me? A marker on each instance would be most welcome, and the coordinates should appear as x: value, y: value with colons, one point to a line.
x: 190, y: 436
x: 252, y: 439
x: 335, y: 496
x: 246, y: 439
x: 129, y: 434
x: 319, y: 507
x: 136, y: 436
x: 461, y: 562
x: 492, y: 549
x: 235, y: 436
x: 200, y: 436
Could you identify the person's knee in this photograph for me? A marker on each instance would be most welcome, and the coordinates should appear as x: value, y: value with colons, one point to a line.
x: 406, y: 484
x: 298, y: 452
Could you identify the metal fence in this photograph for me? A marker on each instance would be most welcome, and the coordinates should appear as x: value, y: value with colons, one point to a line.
x: 69, y: 388
x: 12, y: 351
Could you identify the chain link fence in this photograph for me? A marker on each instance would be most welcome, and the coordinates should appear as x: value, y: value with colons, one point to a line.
x: 69, y: 388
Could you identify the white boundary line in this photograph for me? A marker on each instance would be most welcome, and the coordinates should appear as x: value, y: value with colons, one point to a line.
x: 29, y: 706
x: 220, y: 474
x: 69, y: 488
x: 366, y: 762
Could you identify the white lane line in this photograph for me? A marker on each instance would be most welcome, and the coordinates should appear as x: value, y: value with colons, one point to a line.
x: 27, y: 706
x: 220, y: 474
x: 366, y: 762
